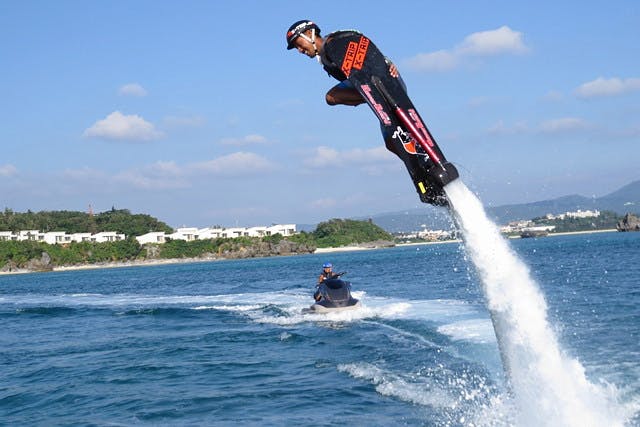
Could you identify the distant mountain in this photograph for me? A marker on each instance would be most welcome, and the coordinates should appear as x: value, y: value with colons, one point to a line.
x: 506, y: 213
x: 624, y: 200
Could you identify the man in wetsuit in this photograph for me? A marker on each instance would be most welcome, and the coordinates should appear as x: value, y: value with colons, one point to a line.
x: 304, y: 36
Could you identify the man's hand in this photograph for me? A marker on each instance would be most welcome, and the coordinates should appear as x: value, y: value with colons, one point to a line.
x: 393, y: 70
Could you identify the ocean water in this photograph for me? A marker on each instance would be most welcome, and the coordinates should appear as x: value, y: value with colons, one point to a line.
x: 548, y: 386
x: 227, y: 342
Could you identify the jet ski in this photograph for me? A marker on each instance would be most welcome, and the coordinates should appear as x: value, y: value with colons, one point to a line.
x: 334, y: 295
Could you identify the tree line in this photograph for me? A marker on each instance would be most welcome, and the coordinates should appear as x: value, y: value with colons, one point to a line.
x: 19, y: 254
x: 118, y: 220
x: 606, y: 220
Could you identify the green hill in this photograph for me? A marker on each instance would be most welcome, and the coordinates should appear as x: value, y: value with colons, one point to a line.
x: 343, y: 232
x: 118, y: 220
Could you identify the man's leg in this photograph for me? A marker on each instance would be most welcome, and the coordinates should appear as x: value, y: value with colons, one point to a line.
x: 344, y: 94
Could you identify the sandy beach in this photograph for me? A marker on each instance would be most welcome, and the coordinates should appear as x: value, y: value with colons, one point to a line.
x: 139, y: 263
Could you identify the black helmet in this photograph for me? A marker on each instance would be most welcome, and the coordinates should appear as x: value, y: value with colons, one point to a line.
x: 298, y: 28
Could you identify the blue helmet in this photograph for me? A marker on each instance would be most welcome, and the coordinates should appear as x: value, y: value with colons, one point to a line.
x: 297, y: 28
x: 327, y: 265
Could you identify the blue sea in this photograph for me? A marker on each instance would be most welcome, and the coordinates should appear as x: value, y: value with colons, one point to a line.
x: 227, y: 342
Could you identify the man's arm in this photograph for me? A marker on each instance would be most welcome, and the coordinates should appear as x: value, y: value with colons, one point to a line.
x: 340, y: 95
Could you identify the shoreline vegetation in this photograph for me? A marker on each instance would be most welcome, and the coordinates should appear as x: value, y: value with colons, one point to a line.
x: 210, y: 258
x: 335, y: 235
x: 18, y: 256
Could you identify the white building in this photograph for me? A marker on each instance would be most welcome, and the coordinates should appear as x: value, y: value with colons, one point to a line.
x: 108, y: 236
x: 284, y: 229
x: 82, y: 237
x: 8, y: 235
x: 30, y: 235
x: 152, y: 237
x: 539, y: 228
x: 257, y: 231
x: 433, y: 235
x: 576, y: 214
x: 233, y: 232
x: 516, y: 226
x: 210, y: 233
x: 56, y: 237
x: 184, y: 233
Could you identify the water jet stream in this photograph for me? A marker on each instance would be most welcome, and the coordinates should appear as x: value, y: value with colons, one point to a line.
x: 549, y: 387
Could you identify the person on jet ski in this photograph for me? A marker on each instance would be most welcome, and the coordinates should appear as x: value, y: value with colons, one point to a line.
x: 327, y: 273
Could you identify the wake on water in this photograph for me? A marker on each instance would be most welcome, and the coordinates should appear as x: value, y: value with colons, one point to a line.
x: 548, y: 386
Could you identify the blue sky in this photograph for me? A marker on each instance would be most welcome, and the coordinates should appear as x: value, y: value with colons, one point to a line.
x: 195, y: 112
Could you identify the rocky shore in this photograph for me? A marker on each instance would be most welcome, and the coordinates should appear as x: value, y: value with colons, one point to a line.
x: 262, y: 249
x: 630, y: 222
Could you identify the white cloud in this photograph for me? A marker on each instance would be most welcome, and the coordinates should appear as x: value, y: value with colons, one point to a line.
x: 565, y: 124
x: 132, y: 89
x: 325, y: 156
x: 607, y: 87
x: 8, y: 170
x: 494, y: 42
x: 235, y: 164
x: 246, y: 140
x: 552, y: 126
x: 168, y: 175
x: 117, y: 126
x: 500, y: 41
x: 441, y: 60
x: 161, y: 175
x: 139, y: 180
x: 156, y: 176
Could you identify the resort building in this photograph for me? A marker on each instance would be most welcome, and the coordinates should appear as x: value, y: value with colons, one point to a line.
x: 152, y: 237
x: 108, y: 236
x: 60, y: 237
x: 576, y: 214
x: 184, y: 233
x: 192, y: 233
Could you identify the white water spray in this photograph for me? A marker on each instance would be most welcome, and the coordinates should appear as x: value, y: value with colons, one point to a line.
x: 549, y: 387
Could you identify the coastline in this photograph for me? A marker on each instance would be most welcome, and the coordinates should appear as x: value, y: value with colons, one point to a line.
x: 567, y: 233
x: 115, y: 264
x: 154, y: 262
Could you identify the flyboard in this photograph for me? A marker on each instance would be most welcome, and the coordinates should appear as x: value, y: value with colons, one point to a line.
x: 404, y: 130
